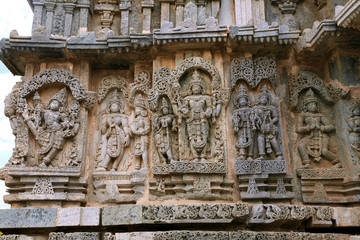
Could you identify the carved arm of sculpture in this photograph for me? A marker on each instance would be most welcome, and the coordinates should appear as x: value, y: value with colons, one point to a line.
x: 275, y: 117
x: 125, y: 123
x: 28, y: 121
x: 352, y: 125
x: 104, y: 126
x: 300, y: 126
x: 236, y: 121
x: 327, y: 126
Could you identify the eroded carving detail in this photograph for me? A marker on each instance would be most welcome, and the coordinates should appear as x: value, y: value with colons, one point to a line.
x: 75, y: 235
x: 43, y: 185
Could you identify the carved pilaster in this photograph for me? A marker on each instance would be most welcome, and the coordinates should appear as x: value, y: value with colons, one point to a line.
x: 84, y: 6
x: 125, y: 8
x: 38, y: 9
x: 69, y: 11
x: 147, y: 5
x: 50, y: 7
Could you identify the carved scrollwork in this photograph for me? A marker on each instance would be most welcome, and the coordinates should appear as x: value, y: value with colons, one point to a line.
x: 304, y: 80
x: 48, y: 76
x: 253, y: 71
x: 111, y: 82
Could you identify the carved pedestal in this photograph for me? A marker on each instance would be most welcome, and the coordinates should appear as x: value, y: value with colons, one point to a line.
x: 328, y: 186
x: 119, y: 187
x: 31, y: 186
x: 263, y: 179
x: 192, y: 180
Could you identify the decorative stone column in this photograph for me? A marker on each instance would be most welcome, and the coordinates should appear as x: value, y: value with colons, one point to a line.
x: 147, y: 5
x: 225, y: 17
x: 165, y: 10
x: 84, y: 6
x: 38, y: 8
x: 125, y: 8
x: 258, y: 11
x: 50, y: 7
x: 243, y: 12
x: 179, y: 12
x: 215, y: 8
x: 69, y: 11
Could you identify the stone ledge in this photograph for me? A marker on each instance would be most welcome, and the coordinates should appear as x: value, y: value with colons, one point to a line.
x: 199, y: 213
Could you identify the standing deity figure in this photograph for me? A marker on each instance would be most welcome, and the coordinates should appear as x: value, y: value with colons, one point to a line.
x: 244, y: 124
x: 266, y: 121
x: 354, y: 127
x: 315, y: 126
x: 55, y: 127
x: 197, y: 109
x: 164, y: 125
x: 140, y: 128
x: 115, y: 133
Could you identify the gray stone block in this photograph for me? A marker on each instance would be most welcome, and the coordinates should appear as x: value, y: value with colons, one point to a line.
x: 121, y: 215
x: 28, y: 218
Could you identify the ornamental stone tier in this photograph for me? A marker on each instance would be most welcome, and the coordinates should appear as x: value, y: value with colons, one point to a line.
x: 184, y: 119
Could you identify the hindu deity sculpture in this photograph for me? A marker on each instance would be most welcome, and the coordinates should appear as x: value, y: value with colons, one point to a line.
x: 267, y: 120
x: 244, y: 124
x: 353, y: 120
x: 314, y: 127
x: 198, y: 112
x: 55, y: 126
x: 115, y: 133
x: 140, y: 128
x: 164, y: 125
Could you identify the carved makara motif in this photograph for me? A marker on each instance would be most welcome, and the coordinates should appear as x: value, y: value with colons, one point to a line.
x: 314, y: 127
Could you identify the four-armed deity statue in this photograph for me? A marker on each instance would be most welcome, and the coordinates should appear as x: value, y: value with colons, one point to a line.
x: 197, y: 109
x: 51, y: 126
x: 315, y: 127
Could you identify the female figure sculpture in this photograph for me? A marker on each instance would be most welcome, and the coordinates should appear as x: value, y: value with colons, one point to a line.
x: 266, y: 123
x: 140, y: 128
x: 315, y: 126
x: 115, y: 134
x: 163, y: 125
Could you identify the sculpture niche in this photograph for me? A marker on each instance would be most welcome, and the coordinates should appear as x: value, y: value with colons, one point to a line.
x: 315, y: 127
x: 46, y: 126
x: 115, y: 137
x: 198, y: 111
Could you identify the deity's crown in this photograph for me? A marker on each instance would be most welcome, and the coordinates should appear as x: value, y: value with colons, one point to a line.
x: 242, y: 92
x: 60, y: 96
x: 139, y: 101
x: 164, y: 104
x: 309, y: 97
x: 115, y: 99
x: 36, y: 97
x: 196, y: 79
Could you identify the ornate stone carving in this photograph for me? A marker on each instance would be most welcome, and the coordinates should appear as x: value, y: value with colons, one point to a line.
x: 253, y: 71
x: 314, y: 127
x: 195, y: 212
x: 75, y: 235
x: 115, y: 136
x: 109, y: 83
x: 304, y: 80
x: 43, y: 185
x: 191, y: 235
x: 353, y: 121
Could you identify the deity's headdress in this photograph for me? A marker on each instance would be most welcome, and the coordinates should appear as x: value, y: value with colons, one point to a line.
x: 196, y: 79
x: 264, y: 91
x: 309, y: 97
x: 36, y: 97
x: 60, y: 96
x: 139, y: 101
x: 164, y: 104
x: 115, y: 99
x: 241, y: 93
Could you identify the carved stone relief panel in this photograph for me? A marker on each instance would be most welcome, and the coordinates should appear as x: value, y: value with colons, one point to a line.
x: 46, y: 122
x: 122, y: 147
x: 187, y: 103
x: 318, y: 143
x: 260, y: 163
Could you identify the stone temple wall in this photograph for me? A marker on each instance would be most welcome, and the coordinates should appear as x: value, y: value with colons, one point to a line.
x: 185, y: 119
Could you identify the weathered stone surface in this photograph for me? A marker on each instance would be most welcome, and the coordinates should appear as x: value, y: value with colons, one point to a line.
x: 121, y: 215
x: 28, y: 218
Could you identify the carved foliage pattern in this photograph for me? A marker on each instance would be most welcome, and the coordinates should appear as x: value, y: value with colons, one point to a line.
x: 43, y: 185
x: 109, y: 83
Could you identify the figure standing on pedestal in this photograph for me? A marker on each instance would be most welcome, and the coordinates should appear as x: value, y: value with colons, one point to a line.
x: 140, y: 128
x: 315, y: 126
x: 115, y: 134
x: 244, y: 124
x: 197, y: 110
x: 164, y: 125
x: 267, y: 120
